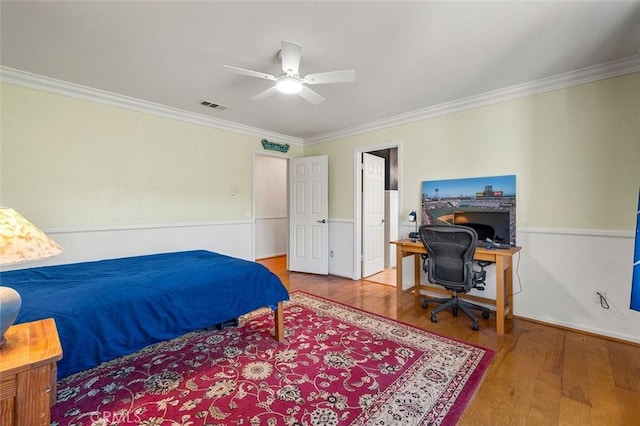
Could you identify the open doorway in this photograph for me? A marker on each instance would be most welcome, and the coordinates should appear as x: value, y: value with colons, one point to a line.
x: 269, y: 206
x: 391, y: 155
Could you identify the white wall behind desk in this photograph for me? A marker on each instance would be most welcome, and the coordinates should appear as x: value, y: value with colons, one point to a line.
x: 561, y: 272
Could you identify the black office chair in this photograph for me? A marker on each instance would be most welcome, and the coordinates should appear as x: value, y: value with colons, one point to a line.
x: 450, y: 250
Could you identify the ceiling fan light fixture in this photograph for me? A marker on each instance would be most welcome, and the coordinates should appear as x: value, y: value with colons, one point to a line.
x: 289, y: 81
x: 289, y: 85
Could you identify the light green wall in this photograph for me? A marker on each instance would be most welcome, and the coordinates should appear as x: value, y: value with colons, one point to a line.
x: 66, y: 162
x: 575, y: 153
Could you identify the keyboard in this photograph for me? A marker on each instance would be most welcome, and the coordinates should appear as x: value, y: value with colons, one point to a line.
x: 487, y: 244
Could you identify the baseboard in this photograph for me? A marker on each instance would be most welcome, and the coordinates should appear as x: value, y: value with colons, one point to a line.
x: 271, y: 256
x: 619, y: 339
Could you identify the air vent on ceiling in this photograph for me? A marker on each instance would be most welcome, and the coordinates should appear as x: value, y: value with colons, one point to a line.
x: 212, y: 105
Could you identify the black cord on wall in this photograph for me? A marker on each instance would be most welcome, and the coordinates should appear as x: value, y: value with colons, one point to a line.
x: 603, y: 300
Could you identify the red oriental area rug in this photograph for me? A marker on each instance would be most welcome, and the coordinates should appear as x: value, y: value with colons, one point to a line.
x: 340, y: 366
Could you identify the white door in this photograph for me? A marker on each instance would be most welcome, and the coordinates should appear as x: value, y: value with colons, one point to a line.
x: 308, y: 215
x: 372, y: 214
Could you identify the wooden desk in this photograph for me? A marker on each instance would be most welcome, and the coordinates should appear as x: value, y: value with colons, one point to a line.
x: 503, y: 258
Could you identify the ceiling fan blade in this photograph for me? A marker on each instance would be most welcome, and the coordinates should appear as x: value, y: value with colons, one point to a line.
x: 310, y: 95
x: 270, y: 91
x: 343, y: 76
x: 250, y: 73
x: 291, y: 53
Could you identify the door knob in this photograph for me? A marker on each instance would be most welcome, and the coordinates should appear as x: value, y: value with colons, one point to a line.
x: 322, y: 221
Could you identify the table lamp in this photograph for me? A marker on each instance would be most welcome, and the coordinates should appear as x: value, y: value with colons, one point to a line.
x: 413, y: 218
x: 21, y: 242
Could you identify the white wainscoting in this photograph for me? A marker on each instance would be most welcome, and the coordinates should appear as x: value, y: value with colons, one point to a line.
x: 390, y: 227
x: 271, y: 236
x: 80, y: 245
x: 558, y: 271
x: 341, y: 247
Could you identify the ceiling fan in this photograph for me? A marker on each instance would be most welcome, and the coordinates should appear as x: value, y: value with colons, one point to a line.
x: 290, y: 81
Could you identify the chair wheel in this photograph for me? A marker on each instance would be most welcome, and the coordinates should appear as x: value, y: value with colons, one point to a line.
x: 485, y: 315
x: 475, y: 326
x: 425, y: 304
x: 455, y: 311
x: 434, y: 318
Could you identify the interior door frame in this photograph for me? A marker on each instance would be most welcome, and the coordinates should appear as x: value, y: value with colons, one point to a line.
x: 373, y: 221
x: 285, y: 157
x: 357, y: 208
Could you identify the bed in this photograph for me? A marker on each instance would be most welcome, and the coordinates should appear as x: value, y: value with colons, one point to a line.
x: 109, y: 308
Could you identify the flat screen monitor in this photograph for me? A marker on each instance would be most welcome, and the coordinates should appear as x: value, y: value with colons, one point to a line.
x: 494, y: 224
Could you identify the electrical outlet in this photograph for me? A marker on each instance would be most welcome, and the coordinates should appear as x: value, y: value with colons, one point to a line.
x: 599, y: 294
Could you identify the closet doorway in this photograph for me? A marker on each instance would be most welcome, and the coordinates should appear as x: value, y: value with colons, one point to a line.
x: 270, y: 205
x: 391, y: 155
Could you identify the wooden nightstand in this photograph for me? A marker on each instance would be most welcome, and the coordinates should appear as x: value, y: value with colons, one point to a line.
x: 28, y: 373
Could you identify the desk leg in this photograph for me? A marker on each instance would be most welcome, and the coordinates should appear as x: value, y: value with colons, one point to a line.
x: 508, y: 279
x: 398, y: 274
x: 416, y: 274
x: 500, y: 294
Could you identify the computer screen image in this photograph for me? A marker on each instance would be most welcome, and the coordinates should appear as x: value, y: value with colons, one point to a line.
x: 493, y: 224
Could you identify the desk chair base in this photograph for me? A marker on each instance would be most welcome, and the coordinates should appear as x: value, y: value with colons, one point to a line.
x: 455, y: 304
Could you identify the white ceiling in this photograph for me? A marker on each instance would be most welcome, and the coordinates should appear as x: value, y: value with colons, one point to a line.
x: 407, y: 55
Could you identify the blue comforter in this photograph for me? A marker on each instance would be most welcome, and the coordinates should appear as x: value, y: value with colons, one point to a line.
x: 110, y: 308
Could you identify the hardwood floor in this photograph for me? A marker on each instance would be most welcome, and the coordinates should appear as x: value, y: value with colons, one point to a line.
x: 540, y: 375
x: 387, y: 277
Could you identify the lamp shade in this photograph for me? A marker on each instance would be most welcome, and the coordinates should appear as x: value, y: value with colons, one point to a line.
x: 20, y: 241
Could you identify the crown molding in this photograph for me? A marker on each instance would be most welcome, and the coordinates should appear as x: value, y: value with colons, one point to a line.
x: 628, y: 65
x: 624, y: 66
x: 52, y: 85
